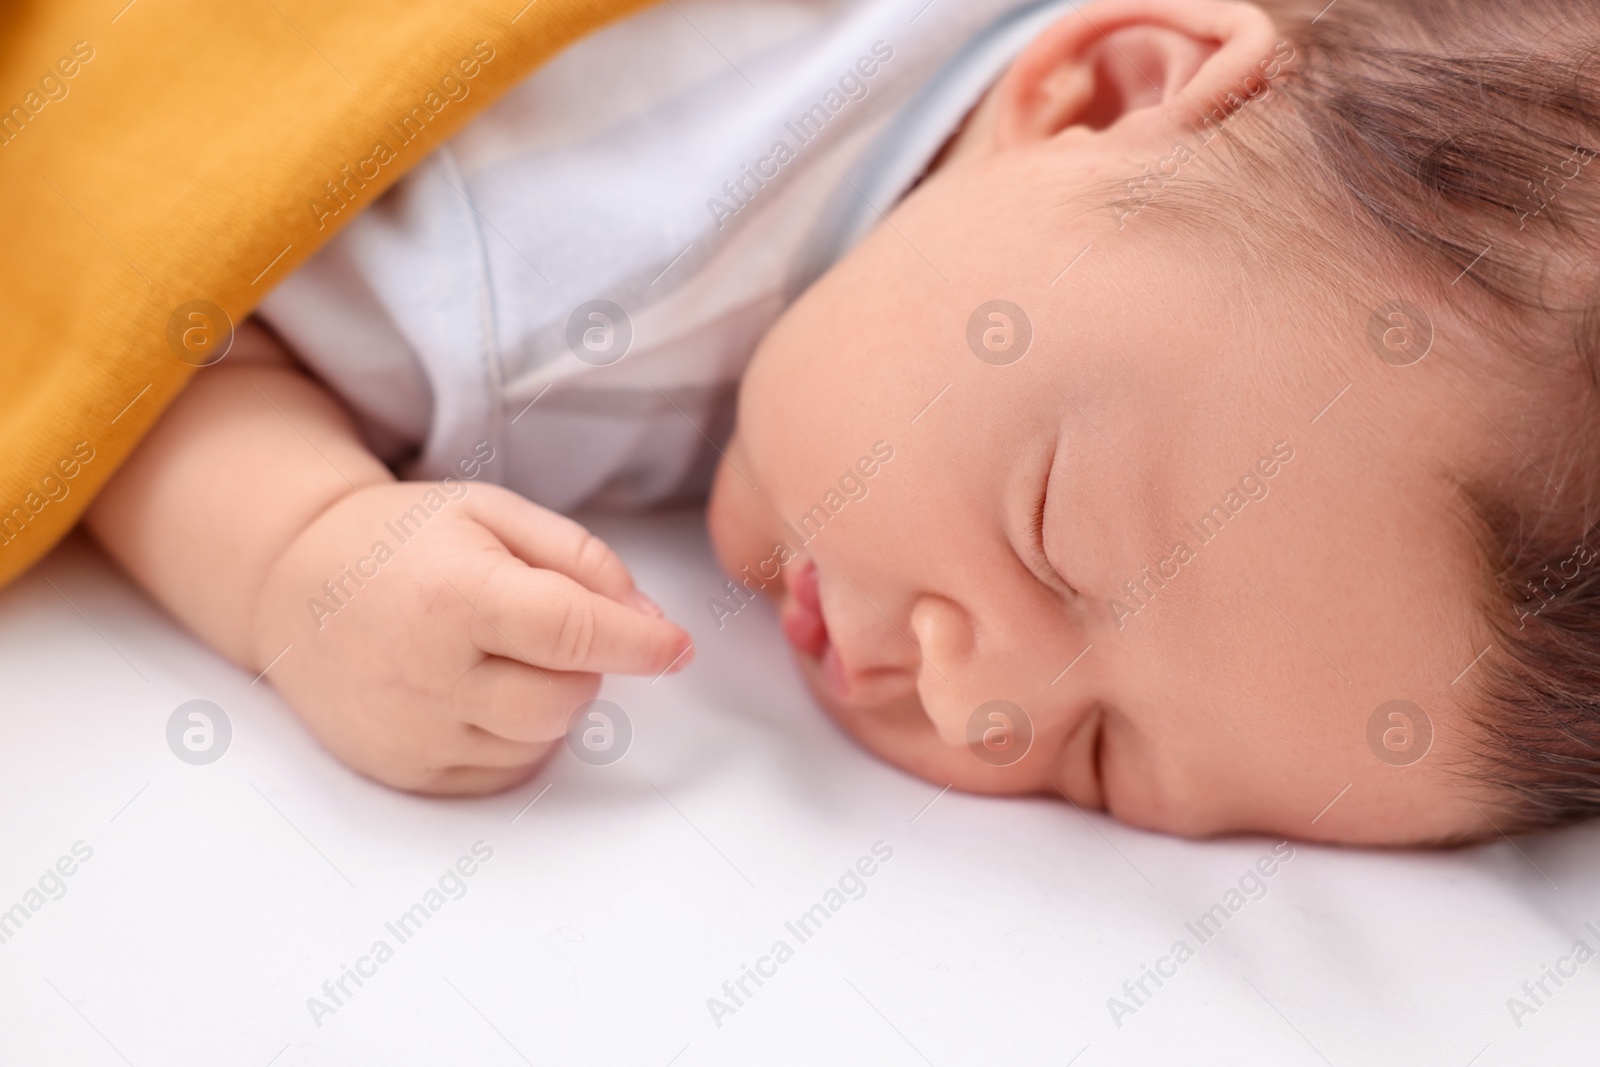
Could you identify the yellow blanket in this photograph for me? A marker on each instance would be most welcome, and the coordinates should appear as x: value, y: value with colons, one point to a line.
x: 164, y: 163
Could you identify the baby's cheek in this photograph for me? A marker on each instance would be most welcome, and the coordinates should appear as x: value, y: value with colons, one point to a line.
x: 734, y: 518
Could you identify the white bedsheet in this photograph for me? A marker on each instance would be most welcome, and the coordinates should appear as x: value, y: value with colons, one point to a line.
x: 217, y: 899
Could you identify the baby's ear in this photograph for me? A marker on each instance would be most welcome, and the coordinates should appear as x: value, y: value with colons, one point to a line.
x: 1135, y: 63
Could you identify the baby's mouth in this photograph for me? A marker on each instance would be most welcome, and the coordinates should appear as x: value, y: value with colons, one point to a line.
x: 803, y: 623
x: 807, y: 630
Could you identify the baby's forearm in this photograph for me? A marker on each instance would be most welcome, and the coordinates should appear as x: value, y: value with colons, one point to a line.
x: 245, y: 459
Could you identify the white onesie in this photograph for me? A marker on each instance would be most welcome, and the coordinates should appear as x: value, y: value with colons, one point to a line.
x: 578, y: 279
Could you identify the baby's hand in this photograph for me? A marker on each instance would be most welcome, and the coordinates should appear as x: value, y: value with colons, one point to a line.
x: 440, y: 636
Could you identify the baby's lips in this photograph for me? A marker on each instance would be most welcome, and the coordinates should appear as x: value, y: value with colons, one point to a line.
x: 803, y: 586
x: 804, y: 629
x: 803, y: 623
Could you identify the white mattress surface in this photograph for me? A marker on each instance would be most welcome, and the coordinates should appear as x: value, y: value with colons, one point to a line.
x: 208, y: 904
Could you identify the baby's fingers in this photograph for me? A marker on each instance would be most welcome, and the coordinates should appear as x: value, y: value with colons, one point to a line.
x: 546, y: 619
x: 519, y: 703
x: 542, y: 538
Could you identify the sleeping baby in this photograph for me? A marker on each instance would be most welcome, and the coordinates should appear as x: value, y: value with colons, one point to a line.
x: 1186, y: 407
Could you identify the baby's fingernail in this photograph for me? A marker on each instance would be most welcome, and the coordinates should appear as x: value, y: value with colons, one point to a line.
x: 645, y: 604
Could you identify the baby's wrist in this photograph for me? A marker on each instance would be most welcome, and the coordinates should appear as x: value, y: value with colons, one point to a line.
x: 283, y: 590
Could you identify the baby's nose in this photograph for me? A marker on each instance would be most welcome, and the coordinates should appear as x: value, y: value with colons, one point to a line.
x: 949, y: 680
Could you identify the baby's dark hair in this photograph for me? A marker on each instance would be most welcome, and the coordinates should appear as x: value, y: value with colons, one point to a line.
x: 1452, y: 142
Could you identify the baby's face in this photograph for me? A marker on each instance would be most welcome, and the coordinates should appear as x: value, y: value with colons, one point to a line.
x: 1199, y: 533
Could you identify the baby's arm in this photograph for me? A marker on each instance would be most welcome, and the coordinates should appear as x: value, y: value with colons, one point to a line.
x: 458, y: 625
